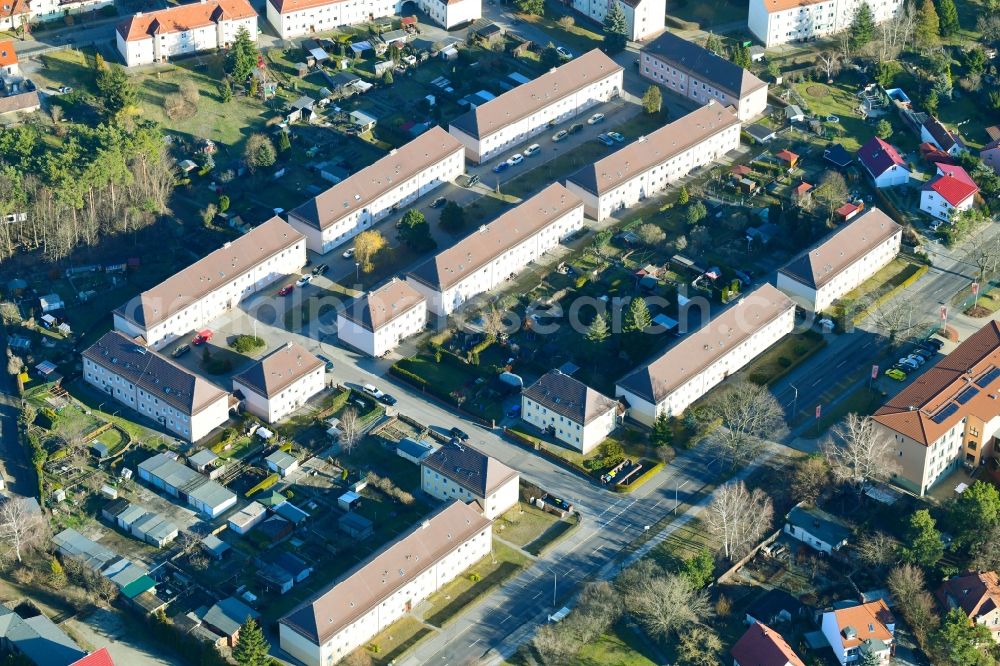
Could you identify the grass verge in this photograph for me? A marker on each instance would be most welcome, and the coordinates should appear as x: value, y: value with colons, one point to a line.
x: 462, y: 592
x: 397, y: 639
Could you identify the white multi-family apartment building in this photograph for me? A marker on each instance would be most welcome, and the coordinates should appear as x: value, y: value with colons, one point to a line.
x: 385, y: 588
x: 381, y: 319
x: 948, y: 193
x: 498, y: 250
x: 950, y: 417
x: 281, y: 382
x: 818, y: 277
x: 188, y: 300
x: 776, y: 22
x: 703, y: 359
x: 156, y: 387
x: 687, y: 69
x: 359, y: 201
x: 205, y: 25
x: 859, y: 630
x: 456, y: 471
x: 292, y: 18
x: 569, y: 409
x: 651, y: 163
x: 15, y: 14
x: 643, y: 18
x: 558, y: 95
x: 206, y: 496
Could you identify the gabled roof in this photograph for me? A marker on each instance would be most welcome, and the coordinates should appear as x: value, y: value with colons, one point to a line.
x: 569, y: 397
x: 38, y: 639
x: 943, y: 137
x: 100, y: 658
x: 759, y: 132
x: 8, y: 55
x: 528, y: 98
x: 762, y: 646
x: 13, y: 8
x: 212, y: 272
x: 700, y: 349
x: 28, y: 101
x: 878, y: 156
x: 385, y: 573
x: 475, y: 471
x: 977, y: 594
x: 183, y: 18
x: 868, y: 622
x: 381, y: 306
x: 836, y: 154
x: 279, y: 370
x: 819, y: 523
x: 773, y: 602
x: 291, y: 6
x: 818, y: 266
x: 228, y: 615
x: 772, y: 6
x: 153, y: 373
x: 697, y: 61
x: 952, y: 183
x: 656, y: 148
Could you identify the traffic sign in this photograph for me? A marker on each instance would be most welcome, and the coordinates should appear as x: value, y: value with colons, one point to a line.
x: 875, y: 372
x: 819, y: 410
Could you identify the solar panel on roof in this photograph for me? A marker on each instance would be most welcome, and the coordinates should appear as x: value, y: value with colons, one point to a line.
x: 988, y: 378
x: 941, y: 416
x: 968, y: 394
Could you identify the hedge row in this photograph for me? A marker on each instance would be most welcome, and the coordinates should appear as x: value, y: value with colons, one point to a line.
x: 263, y: 485
x: 892, y: 293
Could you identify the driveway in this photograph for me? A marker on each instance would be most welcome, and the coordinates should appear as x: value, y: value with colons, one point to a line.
x: 105, y: 628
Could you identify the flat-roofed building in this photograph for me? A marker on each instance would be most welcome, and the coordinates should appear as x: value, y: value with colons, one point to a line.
x: 247, y: 518
x: 643, y: 18
x: 703, y: 359
x: 382, y: 318
x: 291, y: 18
x: 498, y: 250
x: 156, y: 387
x: 386, y: 587
x: 949, y: 417
x: 692, y: 71
x: 145, y: 38
x: 572, y: 411
x: 458, y: 471
x: 206, y: 496
x: 359, y: 201
x: 193, y: 297
x: 777, y: 22
x: 281, y: 382
x: 651, y: 163
x: 518, y: 114
x: 857, y: 251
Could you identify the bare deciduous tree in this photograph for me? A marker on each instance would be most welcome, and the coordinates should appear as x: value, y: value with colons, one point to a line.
x: 876, y: 548
x: 740, y: 517
x: 21, y: 528
x: 810, y: 479
x: 699, y: 646
x: 986, y: 553
x: 493, y: 324
x: 554, y: 646
x: 750, y: 414
x: 661, y: 603
x: 897, y: 319
x: 829, y: 63
x: 350, y: 430
x: 907, y: 584
x: 859, y: 453
x: 599, y: 607
x: 650, y: 234
x: 893, y: 35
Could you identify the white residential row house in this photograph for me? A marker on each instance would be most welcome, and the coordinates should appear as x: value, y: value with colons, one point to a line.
x: 385, y: 588
x: 569, y: 409
x: 15, y: 14
x: 835, y: 267
x: 203, y: 26
x: 456, y: 471
x: 776, y: 22
x: 212, y: 286
x: 359, y: 201
x: 497, y: 251
x: 643, y: 18
x: 281, y: 382
x: 950, y: 418
x: 703, y: 359
x: 651, y: 163
x: 377, y: 322
x: 560, y: 94
x: 292, y: 18
x: 156, y: 387
x: 692, y: 71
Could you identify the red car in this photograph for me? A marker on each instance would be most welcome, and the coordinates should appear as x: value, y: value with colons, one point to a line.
x: 202, y: 337
x: 287, y: 289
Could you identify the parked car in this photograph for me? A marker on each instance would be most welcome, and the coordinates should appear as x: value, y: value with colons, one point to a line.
x: 617, y: 137
x: 439, y: 202
x: 473, y: 180
x: 564, y: 53
x: 893, y: 373
x: 936, y: 343
x: 319, y: 270
x: 371, y: 390
x: 503, y: 166
x: 560, y: 135
x: 65, y: 89
x: 348, y: 253
x: 919, y: 360
x: 575, y: 127
x: 907, y: 364
x: 180, y: 351
x: 304, y: 280
x: 605, y: 139
x: 387, y: 399
x: 329, y: 363
x: 202, y: 337
x: 596, y: 118
x: 458, y: 433
x: 532, y: 150
x: 516, y: 159
x: 925, y: 354
x: 287, y: 289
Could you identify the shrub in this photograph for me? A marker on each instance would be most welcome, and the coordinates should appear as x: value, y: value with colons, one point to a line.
x: 264, y: 485
x: 247, y: 343
x: 474, y: 577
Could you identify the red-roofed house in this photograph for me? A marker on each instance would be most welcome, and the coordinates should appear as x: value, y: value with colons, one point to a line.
x: 13, y: 14
x: 990, y: 155
x: 292, y: 18
x: 763, y: 646
x: 883, y: 163
x: 951, y: 191
x: 978, y: 595
x: 8, y: 59
x: 100, y: 658
x: 859, y: 630
x: 934, y: 132
x: 156, y: 37
x: 788, y: 157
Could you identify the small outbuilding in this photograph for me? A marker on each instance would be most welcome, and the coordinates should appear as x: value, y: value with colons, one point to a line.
x: 349, y: 501
x: 282, y: 462
x: 363, y: 121
x: 355, y: 525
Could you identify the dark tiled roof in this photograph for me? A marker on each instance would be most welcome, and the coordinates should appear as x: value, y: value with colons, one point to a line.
x: 773, y: 602
x: 879, y: 156
x: 475, y: 471
x: 569, y: 397
x: 975, y: 593
x: 819, y: 523
x: 279, y: 369
x: 704, y: 65
x: 379, y: 307
x: 838, y: 155
x: 944, y: 138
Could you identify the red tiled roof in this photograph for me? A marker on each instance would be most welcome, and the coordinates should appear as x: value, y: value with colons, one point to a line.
x: 763, y: 646
x: 803, y: 188
x: 184, y: 17
x: 977, y: 594
x: 13, y: 8
x: 289, y: 6
x: 878, y: 156
x: 787, y: 156
x: 847, y: 210
x: 741, y: 170
x: 8, y: 56
x: 953, y: 183
x: 868, y: 621
x: 99, y: 658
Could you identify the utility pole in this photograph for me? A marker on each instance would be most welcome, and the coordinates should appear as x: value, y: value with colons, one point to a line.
x: 795, y: 400
x: 555, y: 577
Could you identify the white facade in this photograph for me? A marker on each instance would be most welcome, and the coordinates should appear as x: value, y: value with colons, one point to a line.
x: 191, y: 427
x: 53, y: 10
x: 847, y: 651
x: 776, y: 22
x: 439, y: 486
x: 247, y: 518
x: 414, y: 177
x: 276, y: 407
x: 644, y: 18
x: 387, y: 319
x: 577, y: 434
x: 291, y: 18
x: 940, y: 208
x: 894, y: 176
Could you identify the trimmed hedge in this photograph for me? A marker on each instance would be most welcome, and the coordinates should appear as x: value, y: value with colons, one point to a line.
x: 271, y: 480
x: 917, y: 274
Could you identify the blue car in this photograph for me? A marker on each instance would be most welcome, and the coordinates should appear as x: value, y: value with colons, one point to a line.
x: 503, y: 166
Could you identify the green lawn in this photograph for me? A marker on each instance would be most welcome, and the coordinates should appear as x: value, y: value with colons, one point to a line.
x: 862, y: 400
x: 619, y: 647
x: 454, y: 597
x: 523, y: 524
x: 683, y: 544
x: 783, y: 357
x: 581, y: 37
x: 890, y: 276
x: 396, y: 639
x: 835, y: 100
x: 708, y: 13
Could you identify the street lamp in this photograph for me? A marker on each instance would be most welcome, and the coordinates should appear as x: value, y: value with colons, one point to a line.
x: 357, y: 271
x: 795, y: 400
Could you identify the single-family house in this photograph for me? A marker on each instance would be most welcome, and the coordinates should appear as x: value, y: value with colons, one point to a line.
x: 935, y: 133
x: 978, y: 595
x: 816, y: 528
x: 860, y: 629
x: 9, y: 65
x: 883, y: 163
x: 37, y: 639
x: 762, y: 646
x: 948, y: 193
x: 774, y: 607
x: 990, y: 155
